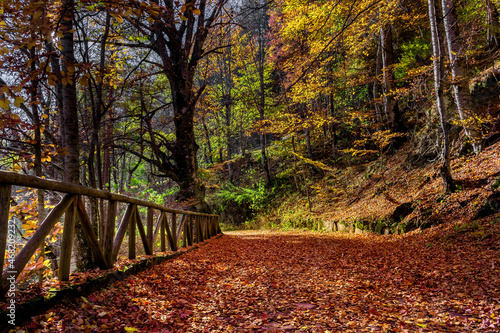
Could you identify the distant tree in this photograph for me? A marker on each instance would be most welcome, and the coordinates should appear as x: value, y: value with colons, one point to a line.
x: 391, y: 108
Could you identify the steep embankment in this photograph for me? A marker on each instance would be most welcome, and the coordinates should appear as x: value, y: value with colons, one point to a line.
x: 394, y: 194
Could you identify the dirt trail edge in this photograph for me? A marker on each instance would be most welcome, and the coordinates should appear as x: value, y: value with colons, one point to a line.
x: 443, y: 280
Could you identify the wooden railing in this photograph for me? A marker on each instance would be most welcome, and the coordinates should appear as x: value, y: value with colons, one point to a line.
x: 173, y: 226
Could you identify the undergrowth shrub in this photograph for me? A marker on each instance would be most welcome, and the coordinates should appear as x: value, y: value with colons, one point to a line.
x: 237, y: 205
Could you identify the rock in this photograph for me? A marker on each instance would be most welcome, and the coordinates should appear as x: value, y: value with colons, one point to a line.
x: 402, y: 211
x: 486, y: 87
x: 490, y: 207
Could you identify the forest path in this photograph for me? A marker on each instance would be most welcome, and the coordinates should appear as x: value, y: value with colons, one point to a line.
x: 302, y: 282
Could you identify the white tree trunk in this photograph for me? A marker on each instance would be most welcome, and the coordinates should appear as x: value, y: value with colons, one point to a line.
x: 459, y: 77
x: 437, y: 65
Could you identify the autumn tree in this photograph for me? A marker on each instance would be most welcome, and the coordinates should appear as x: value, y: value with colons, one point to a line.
x: 459, y: 75
x: 391, y: 108
x: 176, y: 33
x: 493, y: 25
x: 438, y: 92
x: 254, y: 69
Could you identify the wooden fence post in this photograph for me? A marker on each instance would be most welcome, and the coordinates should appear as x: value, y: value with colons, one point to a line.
x: 185, y: 233
x: 38, y: 237
x: 109, y: 231
x: 90, y: 234
x: 197, y: 238
x: 67, y: 243
x: 205, y: 228
x: 157, y: 229
x: 213, y: 232
x: 180, y: 229
x: 163, y: 224
x: 117, y: 243
x: 190, y: 230
x: 4, y: 224
x: 149, y: 228
x: 142, y: 232
x: 175, y: 244
x: 131, y: 235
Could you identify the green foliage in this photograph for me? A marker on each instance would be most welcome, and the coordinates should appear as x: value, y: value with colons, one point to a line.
x: 413, y: 52
x: 298, y: 220
x: 256, y: 197
x: 496, y: 184
x: 157, y: 197
x: 467, y: 227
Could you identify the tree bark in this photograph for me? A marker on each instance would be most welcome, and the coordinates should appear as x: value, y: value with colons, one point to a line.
x: 69, y: 126
x: 308, y: 143
x: 70, y: 132
x: 493, y: 25
x: 445, y: 168
x: 227, y: 86
x: 391, y: 107
x: 207, y: 138
x: 262, y: 105
x: 376, y: 89
x: 460, y: 83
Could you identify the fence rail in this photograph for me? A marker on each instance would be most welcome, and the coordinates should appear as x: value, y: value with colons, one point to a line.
x: 175, y: 227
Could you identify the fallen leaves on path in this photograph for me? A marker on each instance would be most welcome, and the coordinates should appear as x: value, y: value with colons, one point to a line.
x: 442, y: 280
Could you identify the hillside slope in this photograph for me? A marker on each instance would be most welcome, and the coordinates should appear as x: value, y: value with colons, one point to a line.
x: 391, y: 194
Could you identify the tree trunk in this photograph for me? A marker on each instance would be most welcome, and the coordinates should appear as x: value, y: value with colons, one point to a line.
x: 228, y: 142
x: 376, y: 89
x: 207, y: 138
x: 493, y: 25
x: 262, y: 105
x: 184, y: 152
x: 70, y: 132
x: 308, y: 143
x: 227, y: 101
x: 438, y: 90
x: 38, y: 150
x: 460, y: 83
x: 391, y: 108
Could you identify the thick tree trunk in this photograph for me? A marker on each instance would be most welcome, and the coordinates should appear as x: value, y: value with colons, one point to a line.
x: 438, y: 90
x: 69, y: 127
x: 391, y: 108
x: 70, y: 132
x: 460, y: 83
x: 184, y: 152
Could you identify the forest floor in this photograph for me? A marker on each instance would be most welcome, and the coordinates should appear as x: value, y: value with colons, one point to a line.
x: 444, y: 279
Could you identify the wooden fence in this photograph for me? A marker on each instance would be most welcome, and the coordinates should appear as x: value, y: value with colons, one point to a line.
x: 173, y: 226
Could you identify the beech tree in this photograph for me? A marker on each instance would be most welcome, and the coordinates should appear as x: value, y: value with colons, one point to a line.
x: 176, y: 33
x: 438, y: 91
x: 391, y: 108
x: 459, y: 78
